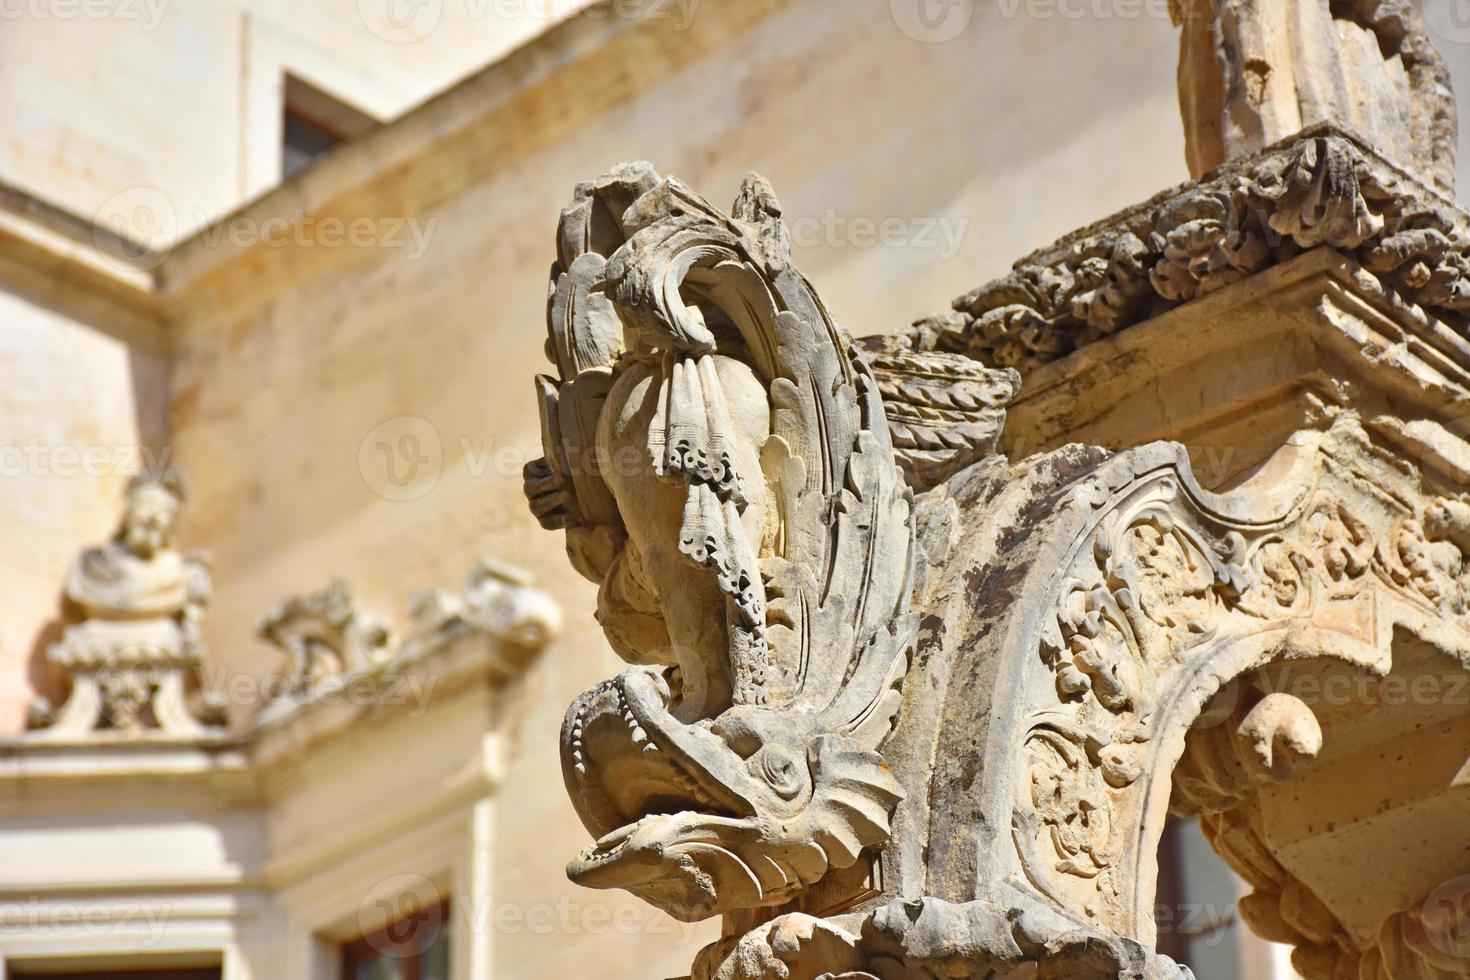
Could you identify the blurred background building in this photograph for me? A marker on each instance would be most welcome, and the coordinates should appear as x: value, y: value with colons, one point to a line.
x: 298, y: 249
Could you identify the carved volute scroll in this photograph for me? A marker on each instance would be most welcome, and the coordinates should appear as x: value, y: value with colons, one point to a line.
x: 719, y: 456
x: 331, y: 645
x: 1254, y: 72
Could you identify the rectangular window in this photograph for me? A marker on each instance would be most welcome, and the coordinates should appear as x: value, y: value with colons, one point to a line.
x: 314, y: 123
x: 413, y: 948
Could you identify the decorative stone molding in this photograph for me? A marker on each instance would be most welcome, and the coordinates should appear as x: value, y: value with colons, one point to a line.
x: 944, y: 411
x: 324, y: 635
x: 1322, y: 188
x: 295, y: 821
x: 131, y: 647
x: 498, y: 599
x: 330, y: 642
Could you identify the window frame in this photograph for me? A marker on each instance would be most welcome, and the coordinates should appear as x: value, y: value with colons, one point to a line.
x: 383, y: 943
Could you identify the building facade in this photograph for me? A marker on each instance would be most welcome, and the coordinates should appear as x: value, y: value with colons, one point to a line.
x: 341, y: 361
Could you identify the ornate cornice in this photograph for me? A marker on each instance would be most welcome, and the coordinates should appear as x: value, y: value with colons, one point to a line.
x: 1322, y: 188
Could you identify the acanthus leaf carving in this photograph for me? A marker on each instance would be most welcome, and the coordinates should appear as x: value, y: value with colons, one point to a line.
x: 1320, y: 188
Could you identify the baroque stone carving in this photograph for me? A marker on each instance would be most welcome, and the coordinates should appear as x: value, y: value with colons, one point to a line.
x: 131, y: 647
x: 1323, y: 188
x: 1225, y: 758
x: 944, y: 411
x: 1094, y: 633
x: 330, y: 642
x: 1253, y: 72
x: 324, y: 635
x: 719, y: 455
x: 497, y: 600
x: 933, y: 726
x: 1140, y: 598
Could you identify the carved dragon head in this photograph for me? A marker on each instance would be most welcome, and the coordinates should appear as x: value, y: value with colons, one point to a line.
x: 719, y: 456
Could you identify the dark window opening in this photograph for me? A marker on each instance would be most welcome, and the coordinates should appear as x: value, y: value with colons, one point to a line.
x: 415, y: 947
x: 313, y: 124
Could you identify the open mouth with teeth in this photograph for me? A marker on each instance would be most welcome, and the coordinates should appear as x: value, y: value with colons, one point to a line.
x: 663, y: 798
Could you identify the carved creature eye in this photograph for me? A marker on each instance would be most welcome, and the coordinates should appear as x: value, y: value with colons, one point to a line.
x: 783, y: 772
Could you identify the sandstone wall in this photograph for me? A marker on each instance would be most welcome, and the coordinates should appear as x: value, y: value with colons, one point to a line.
x: 81, y: 408
x: 116, y: 97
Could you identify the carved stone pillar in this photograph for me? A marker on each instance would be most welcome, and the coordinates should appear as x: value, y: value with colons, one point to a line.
x: 1254, y: 72
x: 903, y: 707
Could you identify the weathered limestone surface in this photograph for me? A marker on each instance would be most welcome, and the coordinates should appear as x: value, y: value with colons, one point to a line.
x: 1253, y: 72
x: 1323, y: 188
x: 904, y: 708
x: 934, y: 728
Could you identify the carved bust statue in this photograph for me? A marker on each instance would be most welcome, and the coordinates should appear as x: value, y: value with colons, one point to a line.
x: 139, y: 574
x: 134, y: 606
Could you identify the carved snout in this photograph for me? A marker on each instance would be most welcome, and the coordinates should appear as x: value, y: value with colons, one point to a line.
x: 1224, y: 763
x: 1281, y: 732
